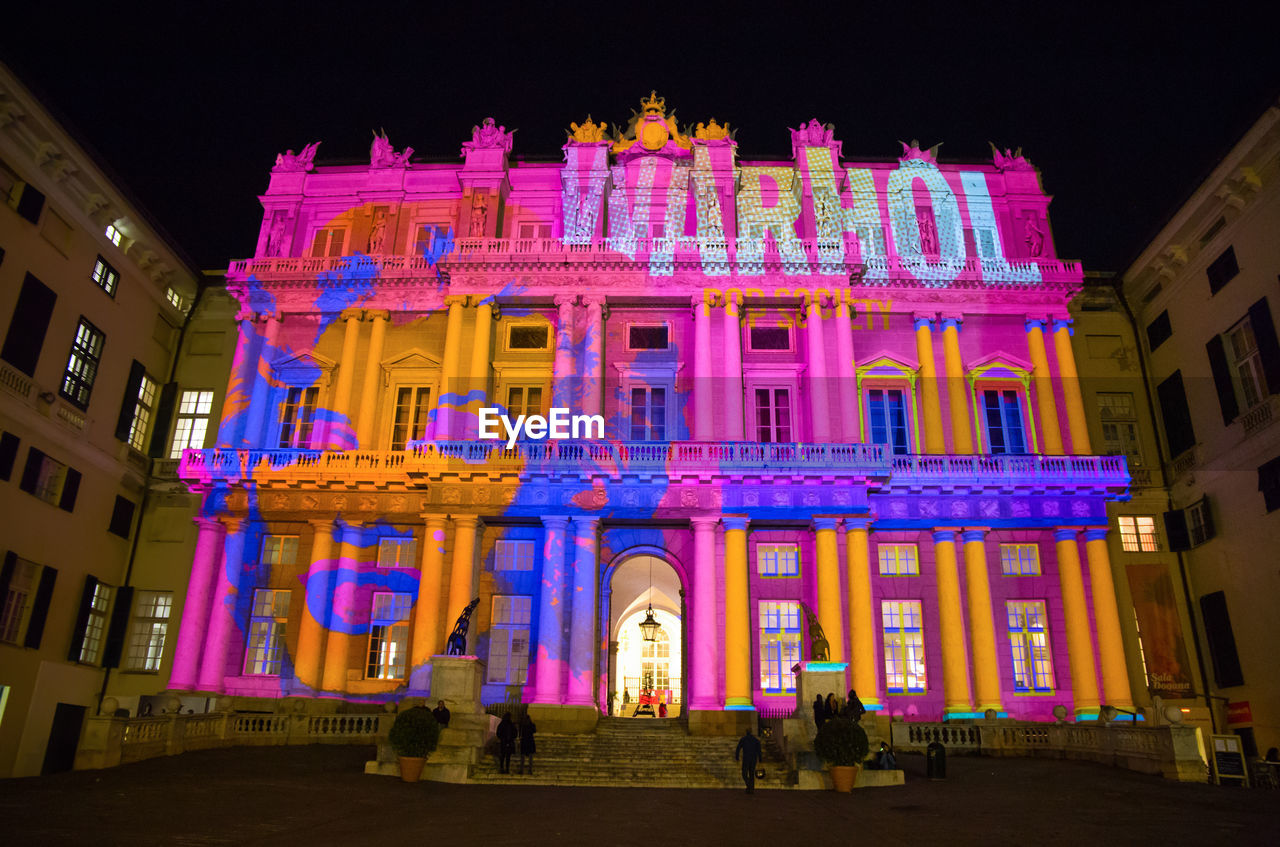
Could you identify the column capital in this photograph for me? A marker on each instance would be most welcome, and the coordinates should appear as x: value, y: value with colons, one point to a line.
x: 735, y: 522
x: 1095, y: 533
x: 553, y: 521
x: 704, y: 522
x: 321, y: 523
x: 974, y: 533
x: 1066, y: 533
x: 563, y: 300
x: 456, y: 299
x: 952, y: 321
x: 232, y: 523
x: 487, y: 300
x: 922, y: 320
x: 434, y: 518
x: 593, y: 301
x: 1059, y: 324
x: 944, y: 536
x: 825, y: 523
x: 377, y: 314
x: 351, y: 314
x: 589, y: 523
x: 858, y: 522
x: 204, y: 523
x: 1031, y: 322
x: 466, y: 521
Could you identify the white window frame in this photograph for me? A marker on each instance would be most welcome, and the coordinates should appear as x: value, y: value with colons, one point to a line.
x: 113, y: 235
x: 265, y: 649
x: 780, y: 630
x: 149, y: 631
x: 95, y: 625
x: 191, y: 426
x: 512, y: 555
x: 1016, y: 559
x: 388, y: 654
x: 778, y: 560
x: 82, y: 363
x: 898, y: 559
x: 142, y: 409
x: 1246, y: 364
x: 400, y: 552
x: 509, y: 632
x: 19, y: 601
x: 904, y: 646
x: 106, y: 276
x: 1138, y: 533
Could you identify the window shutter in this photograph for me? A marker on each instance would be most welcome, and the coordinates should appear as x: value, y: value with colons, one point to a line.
x: 40, y: 609
x: 130, y: 403
x: 1264, y: 333
x: 25, y: 338
x: 6, y: 573
x: 1222, y: 379
x: 118, y: 627
x: 1206, y: 519
x: 69, y: 490
x: 31, y: 473
x: 1175, y: 526
x: 164, y: 415
x: 1176, y: 414
x: 8, y: 454
x: 1222, y: 643
x: 82, y: 619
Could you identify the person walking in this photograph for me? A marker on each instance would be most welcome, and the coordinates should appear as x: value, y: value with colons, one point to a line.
x: 506, y: 742
x: 441, y: 714
x: 749, y: 752
x: 527, y: 745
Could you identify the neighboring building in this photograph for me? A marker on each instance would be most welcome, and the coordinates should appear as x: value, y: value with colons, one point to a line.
x: 1203, y: 293
x: 848, y: 385
x: 92, y: 297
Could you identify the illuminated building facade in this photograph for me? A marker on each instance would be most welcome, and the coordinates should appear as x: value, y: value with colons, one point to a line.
x: 828, y: 384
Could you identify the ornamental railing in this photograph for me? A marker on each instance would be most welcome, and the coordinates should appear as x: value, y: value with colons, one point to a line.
x: 1104, y: 471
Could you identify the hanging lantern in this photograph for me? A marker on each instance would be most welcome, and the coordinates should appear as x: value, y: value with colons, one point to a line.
x: 649, y: 626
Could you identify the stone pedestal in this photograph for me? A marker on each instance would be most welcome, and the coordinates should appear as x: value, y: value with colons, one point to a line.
x: 731, y: 722
x: 815, y: 679
x: 456, y: 680
x: 564, y: 720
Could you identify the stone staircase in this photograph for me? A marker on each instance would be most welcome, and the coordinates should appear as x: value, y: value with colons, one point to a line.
x: 634, y: 753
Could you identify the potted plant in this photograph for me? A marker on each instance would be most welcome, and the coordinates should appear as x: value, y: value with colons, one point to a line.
x: 413, y: 736
x: 842, y: 744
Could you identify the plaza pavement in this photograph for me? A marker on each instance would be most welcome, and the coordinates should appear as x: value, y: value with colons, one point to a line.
x: 319, y: 796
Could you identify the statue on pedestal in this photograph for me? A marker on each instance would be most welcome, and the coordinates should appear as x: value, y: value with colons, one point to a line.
x: 819, y: 649
x: 291, y: 162
x: 457, y: 644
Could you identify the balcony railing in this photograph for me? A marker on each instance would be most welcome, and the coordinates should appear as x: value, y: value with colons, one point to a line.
x: 1102, y: 471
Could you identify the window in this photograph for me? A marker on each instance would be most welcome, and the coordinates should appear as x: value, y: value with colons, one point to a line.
x: 25, y: 590
x: 27, y: 200
x: 279, y: 550
x: 524, y: 400
x: 267, y: 623
x: 1176, y: 414
x: 904, y: 669
x: 95, y: 626
x: 50, y: 480
x: 1222, y: 270
x: 8, y: 454
x: 82, y: 364
x: 1222, y: 642
x: 428, y: 236
x: 1002, y: 411
x: 388, y: 635
x: 1159, y: 331
x: 528, y: 337
x: 413, y: 412
x: 899, y: 560
x: 769, y: 338
x: 1246, y: 363
x: 106, y: 276
x: 329, y: 242
x: 297, y: 418
x: 887, y: 412
x: 648, y: 413
x: 655, y: 663
x: 175, y: 299
x: 513, y: 556
x: 535, y: 230
x: 25, y: 338
x: 773, y: 415
x: 149, y: 630
x: 145, y: 402
x: 1200, y: 522
x: 1138, y: 534
x: 509, y: 639
x: 1119, y: 426
x: 1019, y: 559
x: 778, y: 559
x: 122, y: 517
x: 648, y: 337
x: 113, y: 235
x: 779, y: 645
x: 1269, y: 484
x: 1213, y: 230
x: 193, y: 422
x: 1029, y: 641
x: 397, y: 553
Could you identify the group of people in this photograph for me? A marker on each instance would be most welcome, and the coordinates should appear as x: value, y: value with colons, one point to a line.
x: 823, y: 710
x: 509, y: 732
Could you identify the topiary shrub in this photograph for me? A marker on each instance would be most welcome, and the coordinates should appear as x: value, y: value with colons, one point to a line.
x: 415, y: 733
x: 841, y: 742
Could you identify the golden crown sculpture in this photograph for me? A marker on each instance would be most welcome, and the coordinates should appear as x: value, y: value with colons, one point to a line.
x: 654, y: 105
x: 588, y: 131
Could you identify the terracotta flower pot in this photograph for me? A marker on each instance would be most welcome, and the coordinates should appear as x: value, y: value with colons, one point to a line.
x: 411, y: 767
x: 843, y: 777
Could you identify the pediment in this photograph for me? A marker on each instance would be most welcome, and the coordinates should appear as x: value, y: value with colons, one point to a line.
x: 304, y: 360
x: 414, y: 357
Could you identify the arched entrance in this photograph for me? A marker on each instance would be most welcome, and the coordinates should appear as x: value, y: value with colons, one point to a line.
x: 643, y: 676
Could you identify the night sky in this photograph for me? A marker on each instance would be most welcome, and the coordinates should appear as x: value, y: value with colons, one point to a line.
x: 1123, y: 113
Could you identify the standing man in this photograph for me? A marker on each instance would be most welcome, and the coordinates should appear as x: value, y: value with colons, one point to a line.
x: 749, y: 751
x: 441, y: 714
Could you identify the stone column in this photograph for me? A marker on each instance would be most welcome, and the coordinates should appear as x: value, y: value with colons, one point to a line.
x: 1084, y: 675
x: 830, y: 613
x: 337, y: 650
x: 957, y: 396
x: 733, y: 397
x: 1076, y: 423
x: 260, y: 391
x: 703, y: 397
x: 929, y: 402
x: 236, y: 408
x: 846, y: 375
x: 564, y: 374
x: 195, y: 609
x: 1046, y: 406
x: 593, y: 368
x: 582, y: 632
x: 449, y: 367
x: 862, y: 618
x: 982, y: 633
x: 819, y: 410
x: 311, y: 632
x: 478, y: 372
x: 1106, y: 620
x: 737, y: 616
x: 955, y: 660
x: 704, y: 651
x: 427, y: 639
x: 462, y: 569
x: 372, y: 381
x: 222, y: 623
x: 552, y: 597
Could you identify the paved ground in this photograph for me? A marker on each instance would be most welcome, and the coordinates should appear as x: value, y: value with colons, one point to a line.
x: 318, y: 796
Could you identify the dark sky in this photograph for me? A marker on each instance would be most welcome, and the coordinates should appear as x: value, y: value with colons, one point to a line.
x: 1124, y: 112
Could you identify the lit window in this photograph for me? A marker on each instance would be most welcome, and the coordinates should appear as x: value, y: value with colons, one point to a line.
x: 297, y: 417
x: 1138, y: 534
x: 1002, y: 413
x: 150, y: 628
x: 778, y: 559
x: 267, y: 623
x: 513, y: 556
x: 329, y: 242
x: 1247, y: 362
x: 1119, y: 426
x: 21, y: 597
x: 413, y: 412
x: 1019, y: 560
x: 655, y: 664
x: 524, y: 400
x: 887, y: 413
x: 388, y: 635
x: 773, y: 415
x: 142, y: 413
x: 903, y: 624
x: 1029, y: 640
x: 779, y: 645
x: 95, y: 626
x: 82, y: 364
x: 175, y: 299
x: 113, y: 235
x: 509, y: 640
x: 193, y: 422
x: 899, y: 560
x: 648, y: 413
x: 106, y: 276
x: 396, y: 552
x: 279, y: 550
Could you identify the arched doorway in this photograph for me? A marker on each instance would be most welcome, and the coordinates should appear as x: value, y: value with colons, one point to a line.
x: 643, y: 676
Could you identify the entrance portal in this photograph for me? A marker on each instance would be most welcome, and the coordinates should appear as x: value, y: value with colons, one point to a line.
x: 646, y: 678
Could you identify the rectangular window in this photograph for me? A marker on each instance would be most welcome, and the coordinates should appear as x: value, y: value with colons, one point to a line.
x: 8, y: 454
x: 648, y: 413
x: 1029, y: 641
x: 279, y: 550
x: 1222, y: 641
x: 535, y: 230
x: 513, y: 556
x: 82, y: 364
x: 769, y: 339
x: 778, y: 559
x: 27, y: 200
x: 899, y: 560
x: 267, y: 622
x: 19, y: 599
x: 50, y: 480
x: 31, y: 314
x: 1247, y: 363
x: 388, y: 635
x: 95, y: 628
x: 1269, y: 483
x: 113, y: 235
x: 1119, y: 426
x: 1020, y: 559
x: 903, y: 624
x: 428, y: 237
x: 509, y: 639
x: 648, y: 337
x: 1159, y: 331
x: 150, y: 628
x: 1003, y: 413
x: 297, y: 418
x: 887, y: 412
x: 773, y: 415
x: 779, y: 645
x: 1222, y: 270
x: 122, y: 517
x: 142, y: 410
x: 329, y: 242
x: 1200, y: 522
x: 193, y: 422
x: 105, y: 276
x: 528, y: 337
x: 397, y: 553
x: 175, y: 299
x: 413, y: 412
x: 1138, y: 534
x: 524, y: 400
x: 1176, y: 414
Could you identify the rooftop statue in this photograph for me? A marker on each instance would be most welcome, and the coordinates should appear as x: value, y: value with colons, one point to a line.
x: 712, y: 131
x: 915, y: 151
x: 291, y: 162
x: 651, y: 127
x: 819, y: 649
x: 488, y: 134
x: 588, y: 133
x: 383, y: 155
x: 1009, y: 160
x: 813, y: 134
